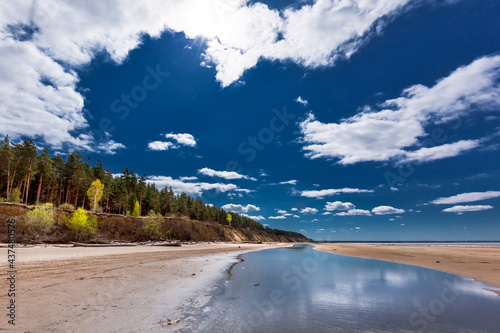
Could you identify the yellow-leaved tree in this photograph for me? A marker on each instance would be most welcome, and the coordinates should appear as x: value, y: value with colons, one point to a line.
x: 94, y: 193
x: 229, y: 218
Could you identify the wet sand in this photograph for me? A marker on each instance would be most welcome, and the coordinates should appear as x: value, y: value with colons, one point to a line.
x: 114, y: 289
x: 480, y: 264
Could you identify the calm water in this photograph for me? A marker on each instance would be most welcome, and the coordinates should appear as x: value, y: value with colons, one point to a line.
x: 303, y: 290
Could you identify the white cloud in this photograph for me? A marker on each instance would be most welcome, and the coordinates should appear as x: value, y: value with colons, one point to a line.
x: 289, y: 182
x: 188, y: 178
x: 301, y: 101
x: 354, y: 212
x: 241, y: 209
x: 394, y: 132
x: 467, y: 197
x: 309, y: 210
x: 224, y: 174
x: 440, y: 152
x: 68, y: 34
x: 184, y: 139
x: 296, y: 216
x: 181, y: 139
x: 358, y: 228
x: 280, y: 217
x: 339, y: 205
x: 328, y: 192
x: 194, y: 189
x: 280, y: 211
x: 385, y: 210
x: 294, y: 209
x: 38, y: 84
x: 326, y: 213
x: 256, y: 218
x: 394, y: 189
x: 461, y: 209
x: 160, y: 145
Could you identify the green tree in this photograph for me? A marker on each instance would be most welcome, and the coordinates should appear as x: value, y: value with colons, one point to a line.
x: 137, y: 209
x: 95, y: 192
x: 82, y: 225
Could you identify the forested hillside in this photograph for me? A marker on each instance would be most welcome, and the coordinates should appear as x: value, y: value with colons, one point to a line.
x: 34, y: 177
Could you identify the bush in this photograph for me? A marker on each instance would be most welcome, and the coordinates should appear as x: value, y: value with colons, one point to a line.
x: 82, y: 225
x: 67, y: 206
x: 152, y: 225
x: 48, y: 204
x: 14, y: 196
x: 41, y: 218
x: 3, y: 199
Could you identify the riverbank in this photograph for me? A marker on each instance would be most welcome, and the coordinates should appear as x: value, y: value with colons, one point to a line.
x: 115, y: 289
x: 480, y: 264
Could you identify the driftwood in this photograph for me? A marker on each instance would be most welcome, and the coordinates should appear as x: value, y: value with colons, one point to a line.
x: 167, y: 244
x: 102, y: 245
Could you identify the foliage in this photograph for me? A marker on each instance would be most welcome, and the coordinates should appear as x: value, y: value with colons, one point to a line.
x: 152, y: 225
x: 14, y: 196
x: 48, y: 204
x: 136, y: 211
x: 67, y: 206
x: 82, y: 224
x: 41, y: 218
x: 95, y: 193
x: 33, y: 176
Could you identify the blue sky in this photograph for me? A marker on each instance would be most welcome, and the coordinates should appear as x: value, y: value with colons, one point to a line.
x: 344, y: 120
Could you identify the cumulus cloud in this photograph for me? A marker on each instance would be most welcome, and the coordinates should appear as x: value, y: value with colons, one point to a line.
x: 183, y: 139
x: 281, y: 211
x: 385, y: 210
x: 240, y: 208
x: 318, y: 194
x: 301, y: 101
x: 294, y: 209
x: 176, y: 141
x: 188, y: 178
x: 160, y: 145
x: 467, y: 197
x: 339, y: 205
x: 309, y: 210
x: 461, y: 209
x: 280, y: 217
x: 256, y: 218
x: 296, y: 216
x: 42, y: 42
x: 394, y: 132
x: 191, y: 188
x: 224, y: 174
x: 354, y: 212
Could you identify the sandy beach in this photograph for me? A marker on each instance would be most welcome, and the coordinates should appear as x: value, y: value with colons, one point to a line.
x: 480, y: 264
x: 115, y: 289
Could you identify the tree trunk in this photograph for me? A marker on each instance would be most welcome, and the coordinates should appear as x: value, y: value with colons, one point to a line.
x: 76, y: 197
x: 67, y: 194
x: 8, y: 179
x: 39, y: 189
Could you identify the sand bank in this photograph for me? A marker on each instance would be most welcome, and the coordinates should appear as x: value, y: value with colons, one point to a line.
x: 480, y: 264
x: 115, y: 289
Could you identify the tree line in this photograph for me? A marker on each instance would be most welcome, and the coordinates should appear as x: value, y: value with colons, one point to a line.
x: 32, y: 176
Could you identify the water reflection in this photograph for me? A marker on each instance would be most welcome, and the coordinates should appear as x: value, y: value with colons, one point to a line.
x: 299, y: 289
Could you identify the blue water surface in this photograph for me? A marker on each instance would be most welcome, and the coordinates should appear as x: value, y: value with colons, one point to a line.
x: 299, y: 289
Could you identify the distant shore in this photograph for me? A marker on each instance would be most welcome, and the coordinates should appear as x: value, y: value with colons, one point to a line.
x: 115, y: 289
x: 479, y: 263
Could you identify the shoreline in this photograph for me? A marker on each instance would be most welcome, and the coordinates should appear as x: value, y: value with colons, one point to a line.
x: 127, y: 289
x: 478, y: 263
